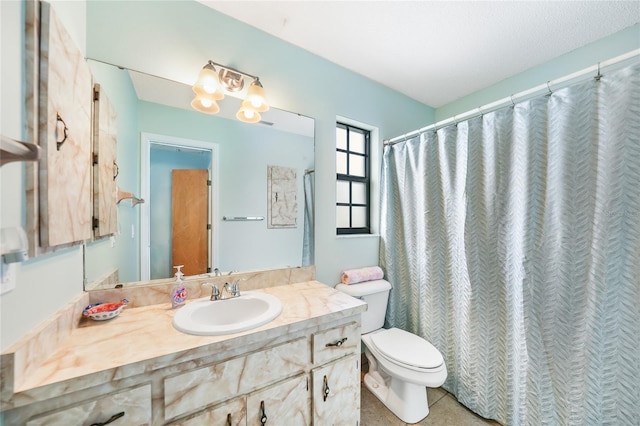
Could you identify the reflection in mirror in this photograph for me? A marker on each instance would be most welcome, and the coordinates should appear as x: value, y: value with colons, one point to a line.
x: 159, y: 132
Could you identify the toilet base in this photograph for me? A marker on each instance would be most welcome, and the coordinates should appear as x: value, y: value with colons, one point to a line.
x: 407, y: 401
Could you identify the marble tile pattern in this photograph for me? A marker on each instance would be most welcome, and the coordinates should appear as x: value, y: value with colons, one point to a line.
x: 106, y: 282
x: 236, y: 409
x: 65, y: 95
x: 142, y: 340
x: 337, y: 382
x: 286, y: 403
x: 136, y: 403
x: 144, y: 293
x: 32, y: 76
x: 105, y: 140
x: 22, y: 359
x: 195, y: 389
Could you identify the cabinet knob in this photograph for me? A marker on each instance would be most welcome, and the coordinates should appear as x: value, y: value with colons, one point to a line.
x: 337, y: 343
x: 325, y: 389
x: 263, y: 417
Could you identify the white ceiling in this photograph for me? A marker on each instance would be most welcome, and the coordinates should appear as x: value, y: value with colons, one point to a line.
x: 436, y: 51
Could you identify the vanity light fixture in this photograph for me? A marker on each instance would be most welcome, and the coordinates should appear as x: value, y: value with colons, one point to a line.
x: 211, y: 85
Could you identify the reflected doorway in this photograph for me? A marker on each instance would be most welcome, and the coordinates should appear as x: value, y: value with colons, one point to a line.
x: 173, y: 213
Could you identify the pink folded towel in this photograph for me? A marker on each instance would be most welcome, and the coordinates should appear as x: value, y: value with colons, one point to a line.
x: 354, y: 276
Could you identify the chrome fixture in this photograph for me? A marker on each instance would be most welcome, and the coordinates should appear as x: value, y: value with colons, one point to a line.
x: 211, y: 85
x: 215, y: 293
x: 229, y: 291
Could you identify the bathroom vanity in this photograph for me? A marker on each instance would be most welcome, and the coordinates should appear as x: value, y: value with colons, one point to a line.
x: 301, y: 368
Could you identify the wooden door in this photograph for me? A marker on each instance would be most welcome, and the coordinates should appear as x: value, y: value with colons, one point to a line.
x: 189, y: 220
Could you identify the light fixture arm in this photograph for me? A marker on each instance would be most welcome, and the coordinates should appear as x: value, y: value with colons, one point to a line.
x: 237, y: 71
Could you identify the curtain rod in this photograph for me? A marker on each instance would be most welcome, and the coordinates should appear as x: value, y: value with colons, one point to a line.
x: 511, y: 100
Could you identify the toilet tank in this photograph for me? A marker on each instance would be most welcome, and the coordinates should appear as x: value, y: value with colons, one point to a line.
x: 376, y: 295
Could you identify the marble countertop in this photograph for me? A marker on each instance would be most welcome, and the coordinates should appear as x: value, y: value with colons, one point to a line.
x: 144, y: 339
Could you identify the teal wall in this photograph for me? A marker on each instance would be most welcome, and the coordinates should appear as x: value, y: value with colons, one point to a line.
x: 45, y: 284
x: 606, y: 48
x: 173, y: 39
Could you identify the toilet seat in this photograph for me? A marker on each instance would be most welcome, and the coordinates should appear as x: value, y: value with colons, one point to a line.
x: 407, y: 350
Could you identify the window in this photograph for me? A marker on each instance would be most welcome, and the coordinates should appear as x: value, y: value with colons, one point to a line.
x: 353, y: 179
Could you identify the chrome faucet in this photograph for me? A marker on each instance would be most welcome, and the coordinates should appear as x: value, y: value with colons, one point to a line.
x: 231, y: 290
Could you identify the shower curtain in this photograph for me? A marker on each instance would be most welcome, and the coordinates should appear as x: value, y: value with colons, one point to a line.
x: 512, y: 241
x: 308, y: 236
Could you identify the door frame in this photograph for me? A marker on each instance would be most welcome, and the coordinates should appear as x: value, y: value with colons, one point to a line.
x: 146, y: 141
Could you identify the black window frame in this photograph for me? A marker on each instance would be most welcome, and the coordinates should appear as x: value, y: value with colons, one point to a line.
x: 360, y: 179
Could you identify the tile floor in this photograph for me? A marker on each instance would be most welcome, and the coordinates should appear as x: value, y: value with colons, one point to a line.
x: 444, y: 410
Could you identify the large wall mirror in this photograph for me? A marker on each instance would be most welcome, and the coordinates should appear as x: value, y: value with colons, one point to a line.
x: 159, y: 133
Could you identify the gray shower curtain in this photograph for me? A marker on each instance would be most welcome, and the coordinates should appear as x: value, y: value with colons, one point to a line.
x: 513, y: 244
x: 308, y: 238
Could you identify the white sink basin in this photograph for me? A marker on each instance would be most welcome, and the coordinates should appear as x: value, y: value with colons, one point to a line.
x: 204, y: 317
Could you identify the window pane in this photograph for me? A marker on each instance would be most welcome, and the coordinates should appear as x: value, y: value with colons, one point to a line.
x: 356, y: 165
x: 359, y: 217
x: 356, y: 141
x: 342, y: 216
x: 342, y: 191
x: 341, y: 138
x: 341, y: 163
x: 359, y: 195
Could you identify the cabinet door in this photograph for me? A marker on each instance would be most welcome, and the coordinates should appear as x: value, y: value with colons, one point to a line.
x: 105, y: 140
x: 336, y: 393
x: 230, y: 413
x: 65, y: 136
x: 285, y: 403
x: 134, y: 403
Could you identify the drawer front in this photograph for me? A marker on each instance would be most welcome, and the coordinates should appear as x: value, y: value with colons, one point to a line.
x: 135, y: 403
x: 230, y: 413
x: 196, y: 389
x: 336, y: 342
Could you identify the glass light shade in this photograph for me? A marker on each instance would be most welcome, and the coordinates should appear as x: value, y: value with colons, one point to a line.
x: 248, y: 115
x: 208, y: 83
x: 255, y: 97
x: 205, y: 103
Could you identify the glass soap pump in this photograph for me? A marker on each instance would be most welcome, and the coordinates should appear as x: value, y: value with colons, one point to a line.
x: 178, y: 291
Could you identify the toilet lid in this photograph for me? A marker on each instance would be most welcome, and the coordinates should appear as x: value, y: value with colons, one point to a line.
x: 406, y: 348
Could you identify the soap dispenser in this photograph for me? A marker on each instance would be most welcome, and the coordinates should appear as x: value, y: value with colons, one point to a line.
x: 178, y: 291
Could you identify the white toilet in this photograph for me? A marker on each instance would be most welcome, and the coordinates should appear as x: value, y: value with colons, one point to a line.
x: 401, y: 364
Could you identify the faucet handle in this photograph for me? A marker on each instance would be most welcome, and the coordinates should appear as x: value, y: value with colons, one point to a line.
x: 215, y: 292
x: 235, y: 289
